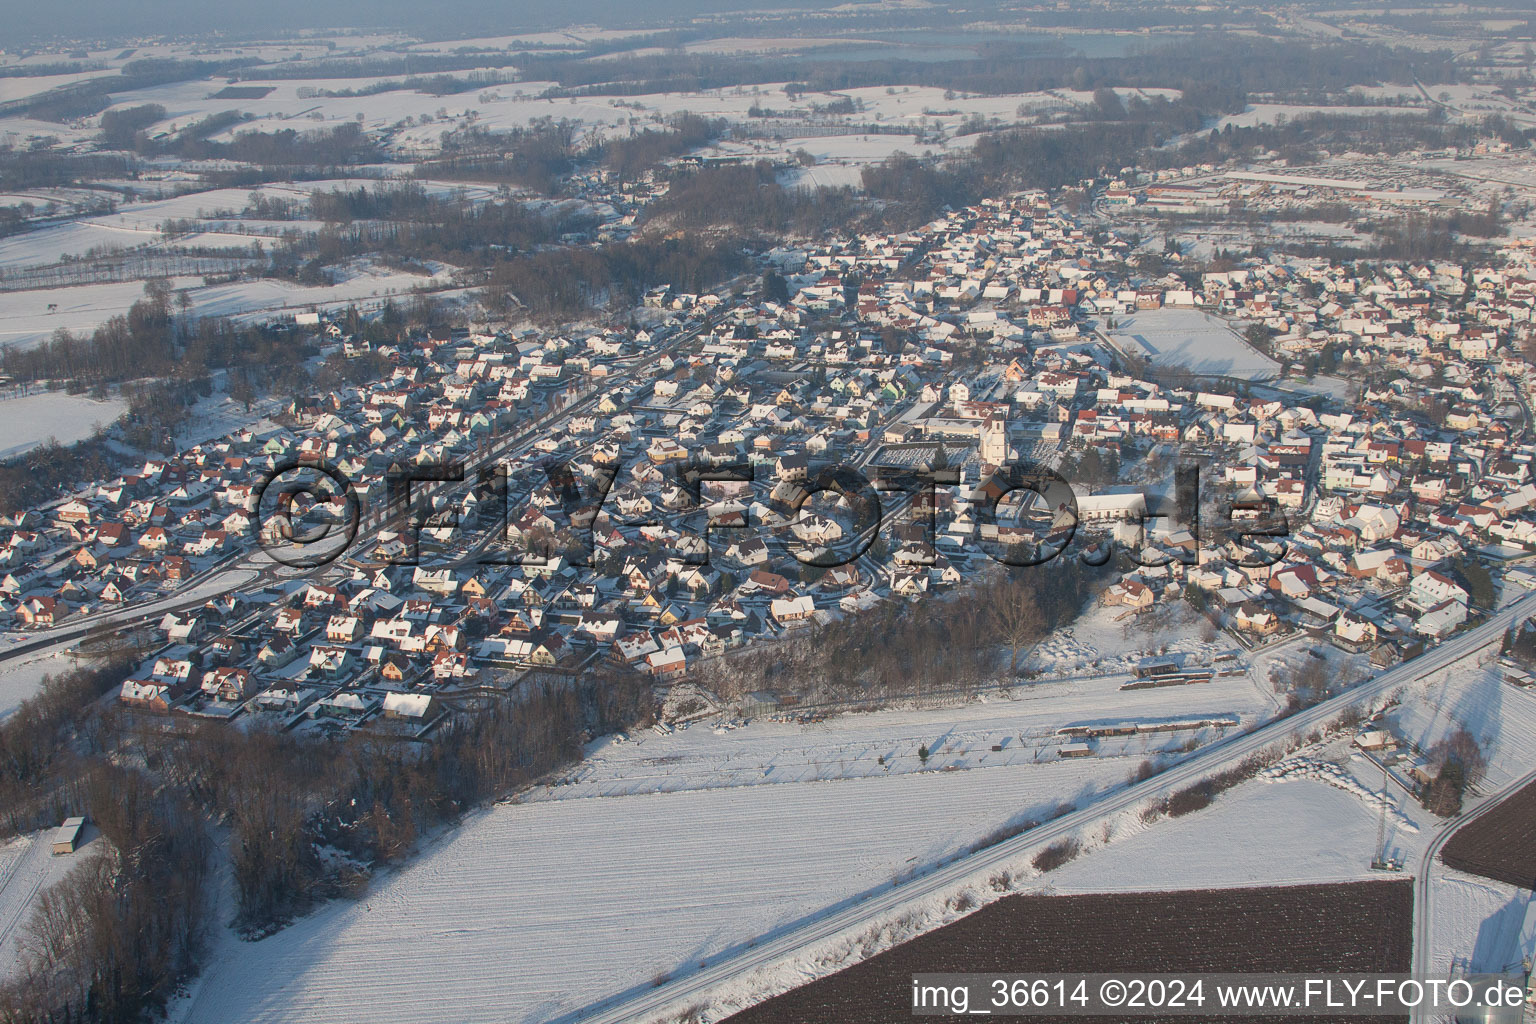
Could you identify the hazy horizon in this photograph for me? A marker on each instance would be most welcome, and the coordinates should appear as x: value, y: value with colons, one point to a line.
x: 93, y: 19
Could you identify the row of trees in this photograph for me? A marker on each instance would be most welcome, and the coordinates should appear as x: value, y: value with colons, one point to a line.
x: 405, y: 220
x: 536, y: 156
x: 936, y: 642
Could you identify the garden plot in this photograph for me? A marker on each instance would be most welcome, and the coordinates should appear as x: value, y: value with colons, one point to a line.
x: 1276, y: 664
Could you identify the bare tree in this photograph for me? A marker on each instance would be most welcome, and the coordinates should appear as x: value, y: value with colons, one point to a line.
x: 1015, y: 617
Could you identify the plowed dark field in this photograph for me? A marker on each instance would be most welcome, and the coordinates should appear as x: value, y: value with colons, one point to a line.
x: 1353, y: 927
x: 1500, y: 844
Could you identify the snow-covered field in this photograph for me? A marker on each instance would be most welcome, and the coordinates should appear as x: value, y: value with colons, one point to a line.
x: 1292, y: 831
x: 887, y: 743
x: 26, y: 319
x: 21, y: 677
x: 1194, y: 340
x: 139, y: 225
x: 1270, y: 113
x: 29, y: 420
x: 531, y: 911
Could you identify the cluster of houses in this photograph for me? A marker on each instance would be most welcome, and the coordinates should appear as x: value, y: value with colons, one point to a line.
x: 964, y: 346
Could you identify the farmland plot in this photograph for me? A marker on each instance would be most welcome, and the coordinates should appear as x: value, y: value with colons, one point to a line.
x: 1500, y: 844
x: 1363, y: 926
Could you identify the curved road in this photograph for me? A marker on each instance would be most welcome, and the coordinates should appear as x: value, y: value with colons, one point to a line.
x: 1422, y: 904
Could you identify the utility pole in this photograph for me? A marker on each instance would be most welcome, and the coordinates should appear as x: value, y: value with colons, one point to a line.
x: 1380, y: 861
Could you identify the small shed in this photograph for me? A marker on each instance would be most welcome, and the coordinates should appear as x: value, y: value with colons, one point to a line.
x: 68, y: 835
x: 1152, y: 668
x: 1075, y: 750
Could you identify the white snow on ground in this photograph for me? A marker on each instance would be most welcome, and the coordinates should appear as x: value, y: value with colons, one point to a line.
x: 840, y: 159
x: 1300, y: 767
x: 269, y: 296
x: 27, y: 867
x: 218, y: 415
x: 1277, y: 662
x: 1502, y: 718
x: 19, y: 87
x: 25, y: 317
x: 1105, y: 640
x: 1194, y: 340
x: 138, y: 225
x: 1270, y: 113
x: 888, y: 743
x: 19, y: 131
x: 1478, y: 924
x: 75, y: 238
x: 534, y: 910
x: 29, y: 420
x: 824, y: 176
x: 1295, y: 831
x: 21, y: 677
